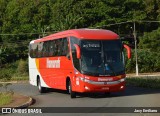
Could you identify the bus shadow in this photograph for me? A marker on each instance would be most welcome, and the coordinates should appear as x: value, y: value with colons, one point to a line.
x: 50, y: 90
x: 79, y: 95
x: 133, y: 91
x: 130, y: 91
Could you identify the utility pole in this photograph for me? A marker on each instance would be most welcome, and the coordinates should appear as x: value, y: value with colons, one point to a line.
x: 135, y: 41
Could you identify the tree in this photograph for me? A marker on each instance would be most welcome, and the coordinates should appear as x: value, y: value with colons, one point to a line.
x: 150, y: 41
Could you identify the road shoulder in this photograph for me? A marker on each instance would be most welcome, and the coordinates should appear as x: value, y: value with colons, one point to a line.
x: 20, y: 101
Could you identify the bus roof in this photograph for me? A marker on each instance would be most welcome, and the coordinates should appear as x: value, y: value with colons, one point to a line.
x: 92, y: 34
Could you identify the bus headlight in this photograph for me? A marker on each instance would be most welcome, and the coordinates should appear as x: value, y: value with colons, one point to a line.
x: 90, y: 81
x: 84, y: 80
x: 122, y: 80
x: 81, y: 78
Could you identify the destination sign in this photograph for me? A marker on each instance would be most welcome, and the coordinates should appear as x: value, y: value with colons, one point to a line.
x: 90, y: 45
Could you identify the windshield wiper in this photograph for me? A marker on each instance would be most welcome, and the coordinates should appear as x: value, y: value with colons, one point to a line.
x: 90, y: 73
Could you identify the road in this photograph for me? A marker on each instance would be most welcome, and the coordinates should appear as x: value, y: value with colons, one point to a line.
x: 132, y: 97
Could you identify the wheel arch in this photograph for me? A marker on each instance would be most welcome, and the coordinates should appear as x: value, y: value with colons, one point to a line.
x: 67, y: 81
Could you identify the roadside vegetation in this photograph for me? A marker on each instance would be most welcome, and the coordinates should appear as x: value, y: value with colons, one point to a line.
x: 145, y: 82
x: 15, y: 71
x: 22, y: 21
x: 148, y: 61
x: 6, y: 96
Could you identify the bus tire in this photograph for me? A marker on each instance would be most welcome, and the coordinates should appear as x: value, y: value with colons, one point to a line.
x: 72, y: 93
x: 40, y: 88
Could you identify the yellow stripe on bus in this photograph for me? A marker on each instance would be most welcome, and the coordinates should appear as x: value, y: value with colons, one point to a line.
x: 37, y: 64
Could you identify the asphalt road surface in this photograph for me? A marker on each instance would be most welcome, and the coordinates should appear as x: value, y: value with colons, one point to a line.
x: 132, y: 97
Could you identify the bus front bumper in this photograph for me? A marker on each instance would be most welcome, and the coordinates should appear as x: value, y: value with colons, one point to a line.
x: 94, y: 86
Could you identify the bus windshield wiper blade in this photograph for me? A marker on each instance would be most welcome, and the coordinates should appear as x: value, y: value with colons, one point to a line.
x: 90, y: 73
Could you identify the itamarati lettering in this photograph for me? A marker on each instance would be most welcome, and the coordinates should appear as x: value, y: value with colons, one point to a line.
x: 53, y: 63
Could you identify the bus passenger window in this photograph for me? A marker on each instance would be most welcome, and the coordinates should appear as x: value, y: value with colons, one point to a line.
x: 65, y: 50
x: 34, y: 50
x: 45, y: 49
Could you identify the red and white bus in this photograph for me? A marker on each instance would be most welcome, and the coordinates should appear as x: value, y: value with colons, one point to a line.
x: 78, y: 60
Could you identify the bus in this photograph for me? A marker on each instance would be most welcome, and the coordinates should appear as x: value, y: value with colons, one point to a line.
x: 78, y: 61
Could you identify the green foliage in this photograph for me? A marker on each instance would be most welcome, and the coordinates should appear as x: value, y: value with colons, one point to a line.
x: 148, y: 55
x: 147, y: 62
x: 145, y: 82
x: 5, y: 98
x: 6, y: 74
x: 37, y: 18
x: 151, y: 41
x: 15, y: 71
x: 22, y: 68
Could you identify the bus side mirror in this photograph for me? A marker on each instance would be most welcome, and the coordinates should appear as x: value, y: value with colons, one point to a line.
x: 78, y: 51
x: 128, y: 50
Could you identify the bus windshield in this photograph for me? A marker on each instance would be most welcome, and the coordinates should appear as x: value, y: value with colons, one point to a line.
x: 102, y: 57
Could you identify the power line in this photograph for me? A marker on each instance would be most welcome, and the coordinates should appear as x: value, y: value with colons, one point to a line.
x: 39, y: 33
x: 15, y: 42
x: 27, y: 41
x: 149, y: 21
x: 21, y: 34
x: 145, y: 21
x: 113, y: 24
x: 88, y: 27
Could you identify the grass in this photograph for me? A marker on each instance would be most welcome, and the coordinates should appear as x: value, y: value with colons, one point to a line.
x: 147, y: 82
x: 5, y: 98
x: 19, y: 78
x: 15, y: 78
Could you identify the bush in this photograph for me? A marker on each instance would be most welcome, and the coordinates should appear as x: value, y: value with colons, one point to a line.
x: 18, y: 69
x: 144, y: 82
x: 22, y: 68
x: 147, y: 62
x: 6, y: 74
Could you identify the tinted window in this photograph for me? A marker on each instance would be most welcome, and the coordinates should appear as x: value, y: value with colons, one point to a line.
x: 45, y: 50
x: 65, y: 49
x: 33, y: 50
x: 51, y: 48
x: 58, y: 47
x: 102, y: 57
x: 40, y: 47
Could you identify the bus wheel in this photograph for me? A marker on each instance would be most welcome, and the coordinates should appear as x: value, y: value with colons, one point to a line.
x: 40, y: 88
x: 72, y: 93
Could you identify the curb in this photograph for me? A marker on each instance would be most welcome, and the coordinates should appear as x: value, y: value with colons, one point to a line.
x: 27, y: 104
x: 24, y: 105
